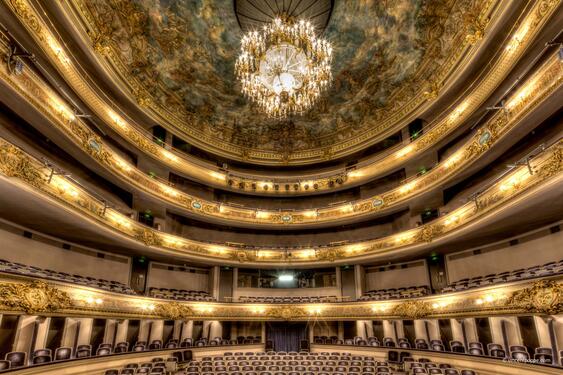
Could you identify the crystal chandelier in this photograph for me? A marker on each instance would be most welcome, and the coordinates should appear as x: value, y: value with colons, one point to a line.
x: 285, y: 68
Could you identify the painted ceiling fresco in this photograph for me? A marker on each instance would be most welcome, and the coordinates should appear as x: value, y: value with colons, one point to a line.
x: 184, y: 51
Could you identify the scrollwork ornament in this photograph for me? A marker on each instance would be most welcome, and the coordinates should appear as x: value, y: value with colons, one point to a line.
x: 14, y: 163
x: 148, y: 237
x: 544, y: 296
x: 173, y: 311
x: 413, y: 309
x: 286, y: 312
x: 35, y: 297
x: 428, y: 232
x: 330, y: 254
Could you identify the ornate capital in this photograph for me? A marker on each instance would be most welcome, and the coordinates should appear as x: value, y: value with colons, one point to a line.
x: 35, y: 297
x: 544, y: 296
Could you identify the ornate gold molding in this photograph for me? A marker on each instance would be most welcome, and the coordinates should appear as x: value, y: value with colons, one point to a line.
x: 286, y: 312
x: 173, y: 311
x: 413, y: 309
x: 34, y: 297
x: 544, y: 296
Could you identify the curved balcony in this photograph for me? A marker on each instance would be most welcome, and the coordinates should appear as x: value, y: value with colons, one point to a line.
x: 540, y: 87
x: 521, y: 40
x: 33, y: 179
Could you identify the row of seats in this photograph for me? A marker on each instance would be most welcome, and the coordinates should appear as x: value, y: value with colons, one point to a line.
x: 304, y: 299
x: 516, y: 352
x: 396, y: 293
x: 157, y: 366
x: 324, y: 363
x: 22, y: 269
x: 180, y: 294
x: 548, y: 269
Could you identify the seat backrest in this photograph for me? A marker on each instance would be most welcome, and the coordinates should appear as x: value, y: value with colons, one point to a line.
x: 17, y: 359
x: 4, y: 364
x: 63, y: 353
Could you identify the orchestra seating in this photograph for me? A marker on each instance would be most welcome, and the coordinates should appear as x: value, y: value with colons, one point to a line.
x: 36, y: 272
x: 303, y: 299
x: 395, y: 293
x: 157, y: 366
x: 304, y: 363
x: 548, y: 269
x: 180, y: 294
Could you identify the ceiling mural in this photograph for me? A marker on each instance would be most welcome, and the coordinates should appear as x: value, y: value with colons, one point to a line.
x: 183, y: 52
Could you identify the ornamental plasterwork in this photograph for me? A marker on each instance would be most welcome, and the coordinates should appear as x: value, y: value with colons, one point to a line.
x: 450, y: 22
x: 38, y: 297
x: 173, y: 311
x: 546, y: 80
x: 546, y: 166
x: 413, y: 309
x: 420, y: 142
x: 544, y: 296
x: 34, y: 297
x: 286, y: 312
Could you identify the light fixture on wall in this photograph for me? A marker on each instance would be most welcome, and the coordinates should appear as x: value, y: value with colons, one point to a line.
x: 285, y: 277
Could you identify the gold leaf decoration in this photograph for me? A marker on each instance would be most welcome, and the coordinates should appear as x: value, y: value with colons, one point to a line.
x: 173, y: 311
x: 428, y: 232
x: 286, y: 312
x: 413, y: 309
x: 35, y: 297
x: 148, y: 237
x: 14, y: 163
x: 330, y: 254
x: 544, y: 296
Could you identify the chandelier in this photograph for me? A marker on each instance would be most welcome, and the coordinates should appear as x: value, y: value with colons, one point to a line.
x: 285, y: 68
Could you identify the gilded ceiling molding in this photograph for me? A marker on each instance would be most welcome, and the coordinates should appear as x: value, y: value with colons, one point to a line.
x: 544, y: 167
x: 465, y: 27
x: 533, y: 23
x: 32, y: 298
x: 27, y: 295
x: 538, y: 88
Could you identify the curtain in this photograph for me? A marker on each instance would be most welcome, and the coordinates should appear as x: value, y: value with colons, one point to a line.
x: 286, y: 336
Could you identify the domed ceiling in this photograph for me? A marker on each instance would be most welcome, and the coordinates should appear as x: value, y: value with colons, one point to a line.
x: 183, y: 52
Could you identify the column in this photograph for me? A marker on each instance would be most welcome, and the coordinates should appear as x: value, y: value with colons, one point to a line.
x: 389, y: 330
x: 471, y: 334
x: 420, y: 330
x: 24, y: 333
x: 359, y: 276
x: 205, y: 330
x: 433, y: 329
x: 144, y: 328
x: 508, y: 336
x: 109, y: 331
x: 235, y: 284
x: 42, y: 332
x: 340, y: 333
x: 361, y: 329
x: 121, y: 334
x: 311, y: 333
x: 399, y: 329
x: 457, y: 331
x: 187, y: 330
x: 157, y: 330
x: 338, y: 281
x: 214, y: 282
x: 263, y: 334
x: 216, y: 329
x: 369, y: 328
x: 77, y: 331
x: 177, y: 332
x: 234, y: 330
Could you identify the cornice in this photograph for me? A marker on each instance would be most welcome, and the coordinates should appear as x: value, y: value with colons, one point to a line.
x: 25, y: 172
x: 537, y: 89
x: 31, y: 296
x: 520, y: 41
x: 474, y: 26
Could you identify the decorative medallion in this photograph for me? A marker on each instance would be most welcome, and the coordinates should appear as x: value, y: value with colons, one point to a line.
x: 485, y: 137
x: 377, y: 202
x: 413, y: 309
x: 544, y: 296
x: 173, y: 311
x: 35, y: 297
x: 196, y: 205
x: 286, y: 218
x: 94, y: 145
x: 286, y: 312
